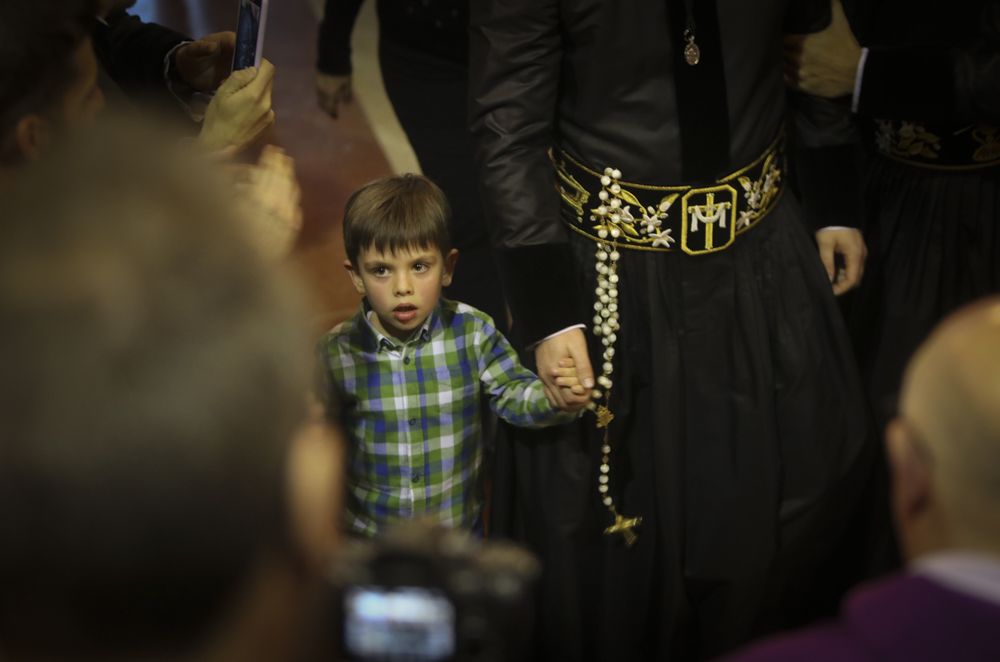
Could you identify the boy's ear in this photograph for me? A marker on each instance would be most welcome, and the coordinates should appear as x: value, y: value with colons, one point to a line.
x: 359, y: 284
x: 32, y: 136
x: 450, y: 260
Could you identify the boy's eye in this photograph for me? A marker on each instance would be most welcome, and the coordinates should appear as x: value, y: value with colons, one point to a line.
x: 420, y: 267
x: 380, y: 271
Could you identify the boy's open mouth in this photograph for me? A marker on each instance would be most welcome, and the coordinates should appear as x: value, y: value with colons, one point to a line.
x: 404, y: 312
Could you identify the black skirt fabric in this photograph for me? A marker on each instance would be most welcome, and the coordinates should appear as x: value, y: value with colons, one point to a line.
x: 934, y: 244
x: 741, y: 438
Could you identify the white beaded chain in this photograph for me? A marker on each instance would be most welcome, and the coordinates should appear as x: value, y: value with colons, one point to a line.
x: 606, y: 326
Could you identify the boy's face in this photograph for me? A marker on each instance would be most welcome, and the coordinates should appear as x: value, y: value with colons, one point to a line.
x: 402, y: 287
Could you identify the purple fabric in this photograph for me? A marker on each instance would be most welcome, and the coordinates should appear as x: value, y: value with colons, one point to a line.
x: 903, y: 619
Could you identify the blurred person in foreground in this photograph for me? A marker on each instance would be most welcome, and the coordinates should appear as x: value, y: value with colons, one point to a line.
x: 944, y: 450
x: 166, y: 490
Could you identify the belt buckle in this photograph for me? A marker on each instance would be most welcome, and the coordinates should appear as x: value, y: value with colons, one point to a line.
x: 708, y: 219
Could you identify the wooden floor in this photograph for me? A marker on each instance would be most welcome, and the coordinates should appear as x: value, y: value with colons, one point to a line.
x: 332, y: 157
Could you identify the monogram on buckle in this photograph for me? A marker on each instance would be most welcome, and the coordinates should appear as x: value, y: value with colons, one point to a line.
x: 709, y: 223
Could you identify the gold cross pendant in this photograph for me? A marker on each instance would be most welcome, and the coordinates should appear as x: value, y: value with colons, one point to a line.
x: 604, y: 416
x: 624, y: 526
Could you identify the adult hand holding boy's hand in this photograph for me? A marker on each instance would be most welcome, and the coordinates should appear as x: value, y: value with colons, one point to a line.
x: 240, y: 110
x: 572, y: 345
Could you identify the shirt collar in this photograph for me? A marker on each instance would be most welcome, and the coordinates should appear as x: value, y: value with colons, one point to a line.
x: 968, y: 572
x: 422, y: 334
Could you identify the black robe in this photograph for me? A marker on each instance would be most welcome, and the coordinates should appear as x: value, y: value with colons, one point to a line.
x: 741, y: 434
x: 933, y: 236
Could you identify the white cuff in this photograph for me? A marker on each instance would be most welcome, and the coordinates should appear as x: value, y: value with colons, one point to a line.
x: 856, y: 98
x: 553, y: 335
x: 835, y: 227
x: 183, y: 98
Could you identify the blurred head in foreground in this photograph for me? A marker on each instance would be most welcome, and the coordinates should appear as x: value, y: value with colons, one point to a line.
x: 165, y: 486
x: 48, y: 74
x: 944, y: 447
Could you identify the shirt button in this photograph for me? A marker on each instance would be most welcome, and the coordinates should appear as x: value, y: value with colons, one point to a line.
x: 413, y: 421
x: 416, y: 478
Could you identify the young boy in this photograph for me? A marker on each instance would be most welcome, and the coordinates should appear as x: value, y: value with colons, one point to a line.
x: 417, y: 364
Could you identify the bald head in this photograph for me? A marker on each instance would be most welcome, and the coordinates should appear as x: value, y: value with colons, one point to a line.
x: 951, y: 400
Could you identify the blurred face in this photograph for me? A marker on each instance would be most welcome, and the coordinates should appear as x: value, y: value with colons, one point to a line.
x: 402, y: 287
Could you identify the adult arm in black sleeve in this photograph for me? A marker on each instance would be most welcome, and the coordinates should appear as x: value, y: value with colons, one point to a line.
x: 824, y: 140
x: 133, y: 52
x: 515, y: 59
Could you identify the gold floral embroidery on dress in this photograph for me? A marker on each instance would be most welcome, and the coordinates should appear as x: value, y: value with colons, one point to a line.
x: 646, y: 217
x: 759, y: 193
x: 989, y: 144
x: 938, y: 147
x: 909, y: 140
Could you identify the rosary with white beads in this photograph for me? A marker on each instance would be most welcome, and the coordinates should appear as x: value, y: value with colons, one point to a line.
x: 606, y: 326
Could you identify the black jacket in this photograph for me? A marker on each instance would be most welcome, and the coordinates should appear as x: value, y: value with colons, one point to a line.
x: 600, y: 79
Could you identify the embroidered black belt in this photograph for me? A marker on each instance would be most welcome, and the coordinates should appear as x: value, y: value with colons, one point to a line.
x: 937, y: 146
x: 695, y: 220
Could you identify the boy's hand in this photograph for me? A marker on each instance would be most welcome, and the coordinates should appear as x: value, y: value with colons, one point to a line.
x: 571, y: 344
x: 565, y: 377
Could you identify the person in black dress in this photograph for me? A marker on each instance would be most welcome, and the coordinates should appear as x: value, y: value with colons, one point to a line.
x: 633, y: 158
x: 925, y: 86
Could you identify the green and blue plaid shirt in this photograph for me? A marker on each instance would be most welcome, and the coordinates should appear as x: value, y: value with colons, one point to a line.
x: 417, y: 433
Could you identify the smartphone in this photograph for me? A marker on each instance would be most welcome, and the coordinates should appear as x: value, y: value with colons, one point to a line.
x: 399, y: 623
x: 250, y: 22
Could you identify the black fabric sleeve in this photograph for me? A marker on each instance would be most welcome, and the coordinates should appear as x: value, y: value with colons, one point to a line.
x: 334, y: 47
x: 132, y: 53
x: 825, y: 159
x: 937, y: 84
x: 515, y: 57
x: 823, y: 142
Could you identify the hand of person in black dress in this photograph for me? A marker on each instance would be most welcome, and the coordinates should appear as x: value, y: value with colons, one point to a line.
x: 549, y: 355
x: 824, y: 63
x: 843, y: 253
x: 332, y: 91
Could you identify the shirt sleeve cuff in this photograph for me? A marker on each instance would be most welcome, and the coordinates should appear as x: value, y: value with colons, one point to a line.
x: 553, y: 335
x: 857, y: 80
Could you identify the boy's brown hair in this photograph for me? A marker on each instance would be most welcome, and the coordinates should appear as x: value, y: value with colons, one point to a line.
x: 394, y: 213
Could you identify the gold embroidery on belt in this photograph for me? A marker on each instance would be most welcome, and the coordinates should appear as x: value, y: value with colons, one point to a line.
x: 973, y: 147
x: 709, y: 217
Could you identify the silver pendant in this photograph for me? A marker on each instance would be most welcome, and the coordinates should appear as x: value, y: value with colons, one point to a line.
x: 692, y: 54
